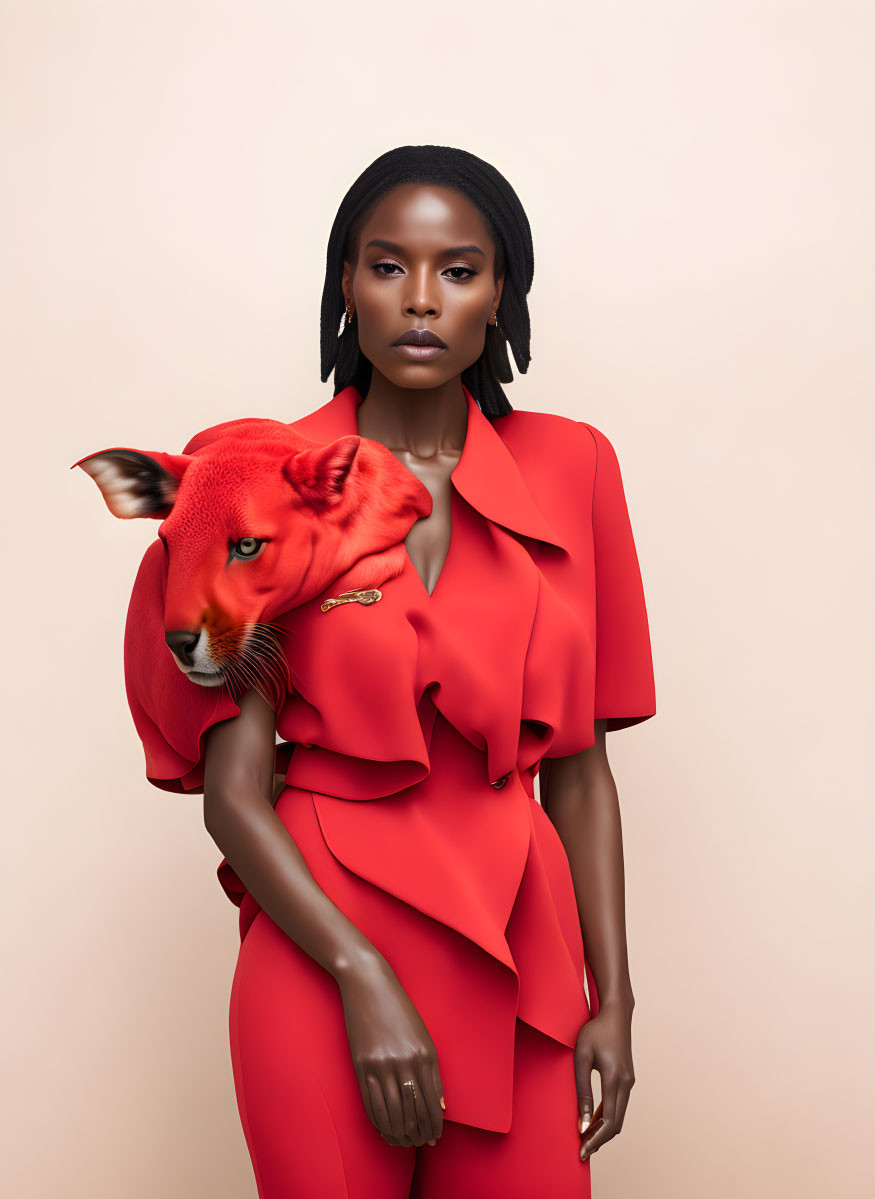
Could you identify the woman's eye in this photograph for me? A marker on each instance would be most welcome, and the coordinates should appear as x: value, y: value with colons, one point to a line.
x: 248, y: 547
x: 389, y: 270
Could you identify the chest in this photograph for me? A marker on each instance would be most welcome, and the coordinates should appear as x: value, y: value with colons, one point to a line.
x: 428, y: 543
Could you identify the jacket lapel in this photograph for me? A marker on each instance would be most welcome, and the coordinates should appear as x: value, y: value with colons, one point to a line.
x: 487, y: 474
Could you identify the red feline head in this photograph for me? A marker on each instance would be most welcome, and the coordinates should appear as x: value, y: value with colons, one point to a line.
x: 255, y: 522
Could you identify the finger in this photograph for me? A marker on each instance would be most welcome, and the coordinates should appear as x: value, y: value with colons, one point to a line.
x: 423, y: 1114
x: 625, y: 1090
x: 438, y: 1085
x: 602, y: 1129
x: 381, y: 1119
x: 408, y: 1090
x: 395, y: 1104
x: 596, y: 1135
x: 431, y: 1099
x: 610, y: 1093
x: 589, y: 1136
x: 583, y: 1064
x: 366, y: 1094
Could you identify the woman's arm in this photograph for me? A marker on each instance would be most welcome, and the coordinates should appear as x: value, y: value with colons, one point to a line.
x: 239, y: 794
x: 388, y: 1039
x: 579, y: 795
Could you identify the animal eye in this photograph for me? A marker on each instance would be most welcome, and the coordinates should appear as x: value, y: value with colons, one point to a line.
x: 248, y: 547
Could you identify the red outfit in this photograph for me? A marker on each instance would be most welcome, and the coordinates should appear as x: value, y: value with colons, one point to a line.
x: 411, y: 743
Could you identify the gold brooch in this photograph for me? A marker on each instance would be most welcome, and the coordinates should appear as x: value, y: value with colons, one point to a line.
x: 353, y: 597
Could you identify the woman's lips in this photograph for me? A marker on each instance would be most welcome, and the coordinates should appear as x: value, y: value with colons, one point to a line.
x: 419, y: 353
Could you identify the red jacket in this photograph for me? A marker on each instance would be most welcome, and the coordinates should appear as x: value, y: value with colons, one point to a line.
x: 438, y: 710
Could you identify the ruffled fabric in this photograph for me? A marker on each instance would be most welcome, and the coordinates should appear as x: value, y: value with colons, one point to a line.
x: 465, y: 889
x: 415, y: 727
x: 504, y: 664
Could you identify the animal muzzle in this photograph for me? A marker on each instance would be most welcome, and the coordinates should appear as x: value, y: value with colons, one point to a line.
x: 191, y: 652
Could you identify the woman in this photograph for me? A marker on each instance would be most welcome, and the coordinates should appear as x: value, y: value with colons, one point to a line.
x: 408, y: 1013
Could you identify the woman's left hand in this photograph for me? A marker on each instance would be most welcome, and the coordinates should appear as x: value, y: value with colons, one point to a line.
x: 604, y: 1044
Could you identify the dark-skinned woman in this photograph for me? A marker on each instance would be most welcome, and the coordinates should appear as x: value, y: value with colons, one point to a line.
x: 412, y: 1011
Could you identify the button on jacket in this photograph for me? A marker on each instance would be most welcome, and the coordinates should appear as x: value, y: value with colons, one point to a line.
x: 416, y: 725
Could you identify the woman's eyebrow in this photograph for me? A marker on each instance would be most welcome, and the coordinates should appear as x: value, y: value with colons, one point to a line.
x: 394, y: 248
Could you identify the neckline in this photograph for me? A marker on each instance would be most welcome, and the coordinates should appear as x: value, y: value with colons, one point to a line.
x: 453, y: 491
x: 491, y: 474
x: 419, y: 580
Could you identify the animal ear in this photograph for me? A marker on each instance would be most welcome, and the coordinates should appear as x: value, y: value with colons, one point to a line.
x: 136, y: 484
x: 319, y: 474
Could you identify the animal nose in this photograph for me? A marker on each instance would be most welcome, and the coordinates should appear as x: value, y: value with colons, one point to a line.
x: 182, y: 643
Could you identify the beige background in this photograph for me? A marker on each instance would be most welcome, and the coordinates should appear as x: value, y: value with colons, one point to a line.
x: 699, y: 179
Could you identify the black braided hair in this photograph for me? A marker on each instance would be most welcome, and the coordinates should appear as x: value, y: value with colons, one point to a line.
x: 509, y: 227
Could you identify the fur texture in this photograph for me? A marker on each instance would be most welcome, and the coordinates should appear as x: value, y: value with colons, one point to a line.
x: 257, y: 520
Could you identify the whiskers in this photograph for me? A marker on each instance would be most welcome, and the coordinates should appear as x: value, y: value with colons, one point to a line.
x: 257, y: 663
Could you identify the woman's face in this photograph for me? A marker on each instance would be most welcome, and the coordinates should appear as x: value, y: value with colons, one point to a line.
x: 425, y: 260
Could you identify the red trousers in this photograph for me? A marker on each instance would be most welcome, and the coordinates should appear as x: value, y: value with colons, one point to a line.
x: 305, y: 1122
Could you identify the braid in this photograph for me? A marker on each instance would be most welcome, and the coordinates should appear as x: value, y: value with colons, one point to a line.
x: 509, y: 227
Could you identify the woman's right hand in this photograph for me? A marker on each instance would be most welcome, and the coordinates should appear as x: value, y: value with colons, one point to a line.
x: 391, y: 1047
x: 389, y: 1041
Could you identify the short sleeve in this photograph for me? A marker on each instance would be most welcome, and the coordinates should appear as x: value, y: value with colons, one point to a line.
x: 170, y: 712
x: 624, y: 683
